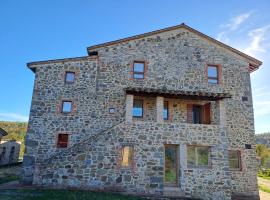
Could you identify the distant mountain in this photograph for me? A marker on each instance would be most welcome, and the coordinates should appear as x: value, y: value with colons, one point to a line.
x: 263, y: 138
x: 16, y: 131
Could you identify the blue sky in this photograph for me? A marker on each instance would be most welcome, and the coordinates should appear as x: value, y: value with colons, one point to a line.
x: 40, y: 30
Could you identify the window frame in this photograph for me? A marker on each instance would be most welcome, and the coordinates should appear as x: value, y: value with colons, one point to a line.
x: 139, y: 117
x: 218, y: 78
x: 136, y: 72
x: 196, y: 157
x: 239, y: 159
x: 71, y: 72
x: 62, y: 106
x: 60, y: 143
x: 131, y: 161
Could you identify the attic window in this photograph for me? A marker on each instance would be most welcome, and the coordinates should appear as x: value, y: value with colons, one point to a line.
x: 138, y: 69
x: 93, y: 53
x: 213, y: 74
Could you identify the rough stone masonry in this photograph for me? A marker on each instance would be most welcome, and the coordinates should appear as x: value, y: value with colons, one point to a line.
x: 103, y: 94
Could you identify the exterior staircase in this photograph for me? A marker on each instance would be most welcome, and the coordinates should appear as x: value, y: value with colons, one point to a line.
x: 92, y: 137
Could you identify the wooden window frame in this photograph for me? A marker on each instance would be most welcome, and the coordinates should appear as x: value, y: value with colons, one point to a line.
x: 62, y: 106
x: 139, y: 117
x: 130, y: 164
x: 139, y: 73
x: 69, y: 82
x: 218, y: 78
x: 59, y: 143
x: 196, y: 157
x: 239, y: 159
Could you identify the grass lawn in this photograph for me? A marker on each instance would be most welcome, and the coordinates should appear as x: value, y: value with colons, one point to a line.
x: 9, y: 173
x: 31, y: 194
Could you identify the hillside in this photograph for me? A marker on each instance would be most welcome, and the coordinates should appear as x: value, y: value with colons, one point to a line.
x: 16, y: 131
x: 263, y: 138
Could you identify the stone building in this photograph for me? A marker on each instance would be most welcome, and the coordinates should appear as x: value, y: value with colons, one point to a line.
x: 9, y: 150
x: 165, y: 113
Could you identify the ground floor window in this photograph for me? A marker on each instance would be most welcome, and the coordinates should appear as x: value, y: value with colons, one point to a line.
x: 234, y: 159
x: 62, y: 141
x: 198, y: 156
x: 127, y: 156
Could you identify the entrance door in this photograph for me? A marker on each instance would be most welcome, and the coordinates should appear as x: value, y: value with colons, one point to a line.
x: 171, y: 165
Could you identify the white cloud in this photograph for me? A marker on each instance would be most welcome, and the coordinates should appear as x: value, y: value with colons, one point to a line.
x: 259, y: 40
x: 261, y: 101
x: 233, y: 24
x: 236, y: 21
x: 13, y: 117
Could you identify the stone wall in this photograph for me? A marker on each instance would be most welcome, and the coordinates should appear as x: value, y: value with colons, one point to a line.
x: 97, y: 163
x: 176, y: 60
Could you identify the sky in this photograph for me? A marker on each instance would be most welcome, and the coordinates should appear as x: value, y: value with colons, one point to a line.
x: 33, y: 30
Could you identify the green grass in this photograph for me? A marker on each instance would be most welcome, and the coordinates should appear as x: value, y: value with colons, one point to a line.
x: 264, y: 177
x: 44, y: 194
x: 264, y: 188
x: 9, y: 173
x: 8, y: 178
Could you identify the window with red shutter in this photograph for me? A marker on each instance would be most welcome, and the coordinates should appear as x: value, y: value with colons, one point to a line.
x: 206, y: 113
x: 189, y: 113
x: 62, y: 141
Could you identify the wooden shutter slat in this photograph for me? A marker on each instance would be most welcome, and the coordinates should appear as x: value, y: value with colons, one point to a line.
x: 189, y: 113
x: 207, y: 113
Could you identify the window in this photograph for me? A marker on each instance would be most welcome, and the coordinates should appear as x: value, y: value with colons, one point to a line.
x: 137, y: 108
x: 234, y: 159
x: 198, y: 156
x: 138, y: 70
x: 70, y: 77
x: 166, y: 110
x: 212, y: 74
x: 127, y: 156
x: 66, y: 106
x: 199, y: 114
x: 62, y: 141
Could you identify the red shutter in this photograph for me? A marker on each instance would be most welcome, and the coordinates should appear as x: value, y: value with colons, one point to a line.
x: 189, y: 113
x: 62, y: 140
x: 206, y: 113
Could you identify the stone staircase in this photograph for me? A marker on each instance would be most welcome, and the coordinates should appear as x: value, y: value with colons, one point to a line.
x: 93, y: 137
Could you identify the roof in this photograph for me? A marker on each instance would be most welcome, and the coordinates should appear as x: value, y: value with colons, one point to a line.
x: 3, y: 132
x: 183, y: 94
x: 254, y: 63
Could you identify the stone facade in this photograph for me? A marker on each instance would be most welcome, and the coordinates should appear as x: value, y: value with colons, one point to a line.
x: 176, y: 60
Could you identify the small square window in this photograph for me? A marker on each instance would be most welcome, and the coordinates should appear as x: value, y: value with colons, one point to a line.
x: 138, y: 70
x: 212, y: 74
x: 234, y: 159
x: 111, y: 110
x: 127, y: 156
x: 138, y: 108
x: 62, y: 141
x: 70, y: 77
x: 66, y: 106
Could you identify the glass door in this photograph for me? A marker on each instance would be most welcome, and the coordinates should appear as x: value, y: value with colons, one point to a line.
x: 171, y: 165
